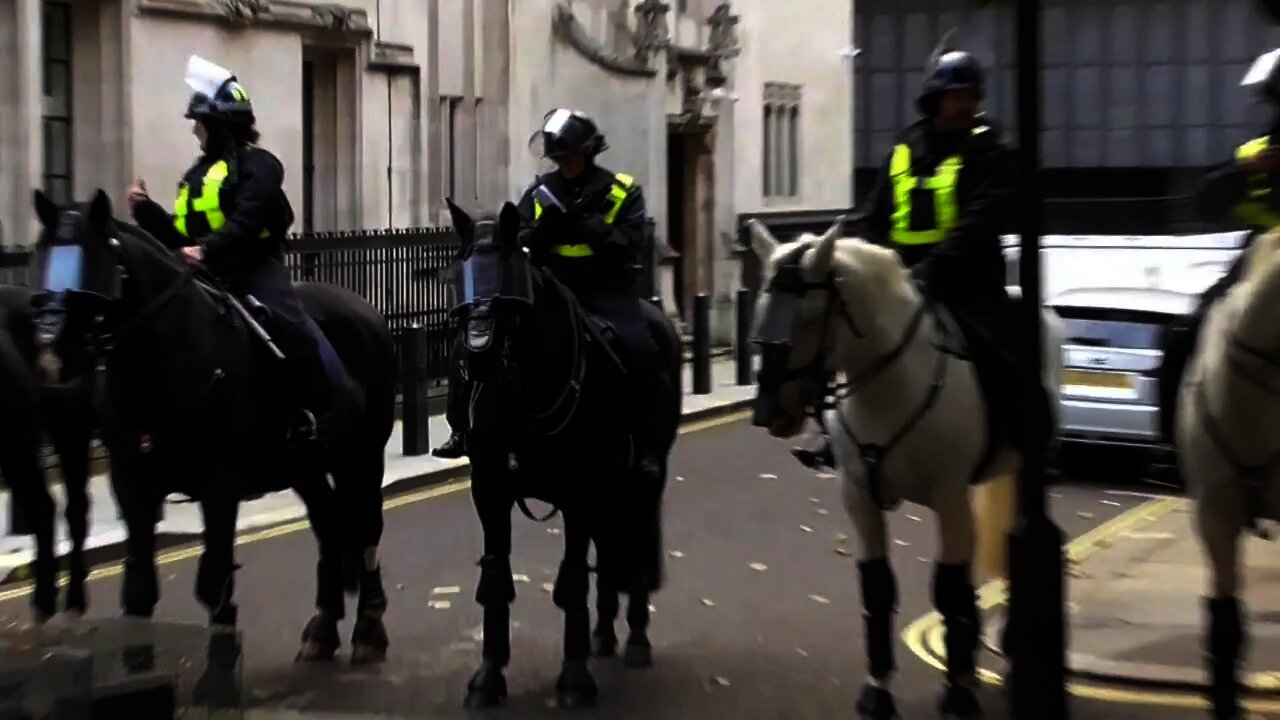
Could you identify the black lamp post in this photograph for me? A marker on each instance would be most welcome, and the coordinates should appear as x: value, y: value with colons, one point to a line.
x: 1037, y: 623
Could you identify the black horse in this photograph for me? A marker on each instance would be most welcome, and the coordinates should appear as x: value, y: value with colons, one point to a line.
x: 58, y: 401
x: 190, y: 405
x: 546, y: 423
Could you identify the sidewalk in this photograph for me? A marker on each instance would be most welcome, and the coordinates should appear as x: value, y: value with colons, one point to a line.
x: 182, y: 520
x: 1136, y: 613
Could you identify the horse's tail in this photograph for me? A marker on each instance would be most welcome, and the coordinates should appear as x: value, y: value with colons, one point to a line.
x: 994, y: 505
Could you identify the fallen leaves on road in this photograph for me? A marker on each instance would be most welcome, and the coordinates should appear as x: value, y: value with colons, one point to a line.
x: 1085, y: 515
x: 841, y: 538
x: 439, y: 604
x: 446, y: 590
x: 520, y: 577
x: 768, y: 476
x: 679, y: 478
x: 675, y: 553
x: 806, y: 528
x: 901, y: 543
x: 821, y: 511
x: 820, y: 599
x: 1112, y: 503
x: 553, y: 531
x: 548, y: 587
x: 720, y: 680
x: 802, y: 652
x: 825, y: 475
x: 914, y: 518
x: 758, y: 566
x: 708, y: 602
x: 843, y: 551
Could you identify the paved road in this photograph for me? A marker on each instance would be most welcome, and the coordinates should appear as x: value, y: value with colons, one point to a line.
x: 763, y: 647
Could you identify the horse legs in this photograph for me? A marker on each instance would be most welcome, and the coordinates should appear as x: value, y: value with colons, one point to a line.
x: 140, y: 588
x: 72, y: 446
x: 639, y: 652
x: 360, y: 489
x: 955, y: 599
x: 215, y: 589
x: 879, y: 600
x: 576, y: 687
x: 320, y: 640
x: 604, y: 640
x: 1226, y: 635
x: 33, y: 503
x: 495, y: 592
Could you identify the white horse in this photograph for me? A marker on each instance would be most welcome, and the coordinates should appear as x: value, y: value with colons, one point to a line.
x: 1228, y: 433
x: 911, y: 426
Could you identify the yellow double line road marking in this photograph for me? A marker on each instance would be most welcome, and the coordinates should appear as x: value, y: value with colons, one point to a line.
x: 188, y: 552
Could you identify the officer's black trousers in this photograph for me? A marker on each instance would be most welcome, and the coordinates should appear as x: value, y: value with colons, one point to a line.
x: 293, y: 332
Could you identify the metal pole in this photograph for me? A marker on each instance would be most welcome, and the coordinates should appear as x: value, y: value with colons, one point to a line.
x: 742, y: 340
x: 702, y: 344
x: 1037, y: 631
x: 415, y: 438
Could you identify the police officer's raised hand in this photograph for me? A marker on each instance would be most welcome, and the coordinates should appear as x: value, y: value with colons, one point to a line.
x: 137, y: 193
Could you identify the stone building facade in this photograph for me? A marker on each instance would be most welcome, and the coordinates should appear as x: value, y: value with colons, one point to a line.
x: 382, y: 108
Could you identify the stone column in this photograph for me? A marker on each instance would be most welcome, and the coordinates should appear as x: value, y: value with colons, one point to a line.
x: 21, y: 98
x: 495, y: 142
x: 434, y: 148
x: 464, y: 167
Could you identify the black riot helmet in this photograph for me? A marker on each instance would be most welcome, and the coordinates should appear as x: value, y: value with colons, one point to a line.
x: 216, y: 95
x: 1263, y: 77
x: 950, y: 70
x: 569, y: 132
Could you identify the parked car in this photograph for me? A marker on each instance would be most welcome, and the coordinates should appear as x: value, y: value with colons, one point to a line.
x: 1115, y: 294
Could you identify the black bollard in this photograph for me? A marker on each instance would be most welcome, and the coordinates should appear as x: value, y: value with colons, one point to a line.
x: 742, y: 350
x: 702, y: 344
x: 416, y: 436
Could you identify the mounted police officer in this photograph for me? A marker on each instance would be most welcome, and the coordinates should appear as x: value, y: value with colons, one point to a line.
x: 1241, y: 191
x: 231, y: 215
x: 585, y: 223
x: 941, y: 200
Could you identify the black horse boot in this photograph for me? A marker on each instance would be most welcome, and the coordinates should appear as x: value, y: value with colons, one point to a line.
x: 454, y: 447
x: 819, y: 458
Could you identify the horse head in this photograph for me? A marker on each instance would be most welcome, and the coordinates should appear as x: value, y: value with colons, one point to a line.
x: 492, y: 289
x: 823, y: 310
x: 89, y: 287
x: 76, y: 262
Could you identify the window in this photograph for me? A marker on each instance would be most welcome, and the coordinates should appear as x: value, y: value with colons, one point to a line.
x: 449, y: 142
x: 781, y: 146
x: 56, y: 110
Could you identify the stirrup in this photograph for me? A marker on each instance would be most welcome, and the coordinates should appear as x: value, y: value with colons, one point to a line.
x: 821, y: 459
x: 302, y: 428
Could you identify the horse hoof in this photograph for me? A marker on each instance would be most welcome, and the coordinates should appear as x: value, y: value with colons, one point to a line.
x: 603, y: 645
x: 369, y: 641
x: 959, y: 702
x: 876, y: 703
x: 320, y: 640
x: 487, y: 688
x: 576, y: 688
x: 637, y: 656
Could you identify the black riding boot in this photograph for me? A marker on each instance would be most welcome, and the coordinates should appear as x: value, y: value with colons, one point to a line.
x: 454, y: 447
x: 819, y: 458
x: 313, y: 423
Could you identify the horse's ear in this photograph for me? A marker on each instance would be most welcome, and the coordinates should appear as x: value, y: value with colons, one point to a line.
x: 509, y: 224
x: 100, y: 210
x: 824, y: 251
x: 46, y: 209
x: 762, y: 241
x: 462, y: 222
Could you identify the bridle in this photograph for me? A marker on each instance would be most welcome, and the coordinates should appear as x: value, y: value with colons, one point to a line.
x: 790, y: 281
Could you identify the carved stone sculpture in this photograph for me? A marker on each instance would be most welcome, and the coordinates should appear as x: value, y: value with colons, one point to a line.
x: 244, y: 11
x: 652, y: 34
x: 334, y: 16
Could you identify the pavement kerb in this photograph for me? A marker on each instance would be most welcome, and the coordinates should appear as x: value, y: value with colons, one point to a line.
x: 111, y: 552
x: 924, y: 636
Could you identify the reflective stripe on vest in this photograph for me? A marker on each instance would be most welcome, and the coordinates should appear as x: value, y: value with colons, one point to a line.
x: 209, y: 203
x: 1256, y: 209
x: 943, y: 184
x: 621, y: 187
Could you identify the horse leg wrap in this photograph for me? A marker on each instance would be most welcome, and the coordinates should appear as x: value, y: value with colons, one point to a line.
x: 879, y: 604
x: 954, y: 597
x: 1225, y: 649
x: 572, y: 586
x: 215, y: 586
x: 496, y: 585
x: 329, y: 598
